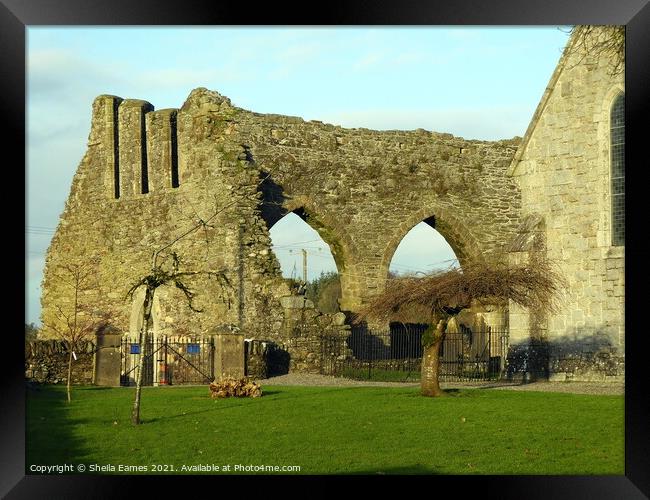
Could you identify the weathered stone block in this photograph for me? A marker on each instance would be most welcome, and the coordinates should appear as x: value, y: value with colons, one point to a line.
x: 293, y: 302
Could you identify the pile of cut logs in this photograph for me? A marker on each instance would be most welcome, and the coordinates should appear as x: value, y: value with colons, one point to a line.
x: 232, y: 387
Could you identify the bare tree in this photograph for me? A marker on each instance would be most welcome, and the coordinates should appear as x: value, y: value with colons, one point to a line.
x: 161, y: 274
x: 600, y: 42
x: 439, y: 296
x: 77, y: 321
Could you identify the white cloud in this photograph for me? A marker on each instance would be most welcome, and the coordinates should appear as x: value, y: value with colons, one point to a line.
x: 55, y: 74
x: 188, y: 78
x: 300, y: 53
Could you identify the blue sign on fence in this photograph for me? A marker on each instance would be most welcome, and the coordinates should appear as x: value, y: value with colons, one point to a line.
x: 193, y: 348
x: 135, y: 348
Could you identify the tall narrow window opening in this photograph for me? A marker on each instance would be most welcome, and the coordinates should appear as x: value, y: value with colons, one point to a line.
x: 116, y: 150
x: 617, y: 138
x: 174, y: 152
x: 143, y: 149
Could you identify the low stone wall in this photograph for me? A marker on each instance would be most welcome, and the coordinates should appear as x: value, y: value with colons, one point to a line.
x: 586, y: 365
x: 266, y: 358
x: 559, y: 362
x: 256, y: 354
x: 305, y: 354
x: 309, y: 340
x: 46, y: 361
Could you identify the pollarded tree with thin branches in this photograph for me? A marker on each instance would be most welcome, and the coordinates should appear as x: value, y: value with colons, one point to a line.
x: 437, y: 297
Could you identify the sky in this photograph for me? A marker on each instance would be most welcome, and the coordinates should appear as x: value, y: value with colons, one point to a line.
x: 473, y: 82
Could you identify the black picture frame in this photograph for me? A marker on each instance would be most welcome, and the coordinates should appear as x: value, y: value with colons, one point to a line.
x: 17, y: 15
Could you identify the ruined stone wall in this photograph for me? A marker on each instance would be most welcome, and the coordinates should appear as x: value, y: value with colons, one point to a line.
x: 309, y: 339
x: 563, y: 171
x: 112, y: 224
x: 148, y: 177
x: 364, y: 190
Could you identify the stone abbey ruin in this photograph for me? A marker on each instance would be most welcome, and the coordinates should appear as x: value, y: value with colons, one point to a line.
x: 148, y: 176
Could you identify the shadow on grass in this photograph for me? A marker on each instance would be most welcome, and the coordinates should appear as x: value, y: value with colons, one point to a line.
x: 446, y: 393
x: 152, y: 420
x: 49, y: 428
x: 502, y: 384
x: 317, y: 390
x: 277, y: 394
x: 232, y: 402
x: 245, y: 401
x: 271, y: 393
x: 416, y: 469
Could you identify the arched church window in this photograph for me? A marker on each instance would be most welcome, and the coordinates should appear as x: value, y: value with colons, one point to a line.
x: 617, y: 143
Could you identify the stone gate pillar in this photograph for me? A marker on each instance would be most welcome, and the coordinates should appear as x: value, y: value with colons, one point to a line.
x: 108, y: 360
x: 229, y: 353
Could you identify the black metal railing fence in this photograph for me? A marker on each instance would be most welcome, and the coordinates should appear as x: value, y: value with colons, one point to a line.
x: 396, y: 354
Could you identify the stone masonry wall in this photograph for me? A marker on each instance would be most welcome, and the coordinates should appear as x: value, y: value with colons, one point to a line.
x: 563, y: 171
x: 148, y: 177
x: 118, y: 236
x: 309, y: 339
x: 46, y: 361
x: 363, y: 190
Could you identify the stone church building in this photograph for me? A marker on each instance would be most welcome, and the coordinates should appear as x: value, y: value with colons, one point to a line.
x: 570, y: 169
x: 207, y: 181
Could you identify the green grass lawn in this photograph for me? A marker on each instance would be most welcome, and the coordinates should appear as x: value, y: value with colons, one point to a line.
x: 332, y: 430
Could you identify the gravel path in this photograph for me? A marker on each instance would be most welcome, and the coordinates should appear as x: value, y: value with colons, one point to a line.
x: 308, y: 379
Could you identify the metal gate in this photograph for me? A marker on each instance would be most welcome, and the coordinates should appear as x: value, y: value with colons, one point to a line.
x: 168, y: 360
x: 396, y: 355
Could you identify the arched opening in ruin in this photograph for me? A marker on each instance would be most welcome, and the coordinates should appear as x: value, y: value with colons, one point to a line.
x: 443, y: 238
x: 307, y: 260
x: 422, y: 250
x: 437, y: 244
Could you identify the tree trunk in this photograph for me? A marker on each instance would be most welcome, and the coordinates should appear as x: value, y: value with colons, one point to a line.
x: 430, y: 365
x: 429, y: 382
x: 69, y: 388
x: 142, y: 342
